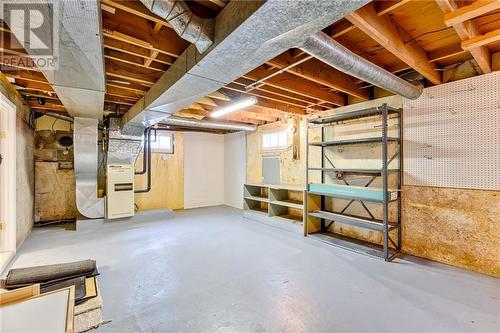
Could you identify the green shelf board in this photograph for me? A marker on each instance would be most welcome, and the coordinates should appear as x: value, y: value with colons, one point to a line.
x: 352, y: 192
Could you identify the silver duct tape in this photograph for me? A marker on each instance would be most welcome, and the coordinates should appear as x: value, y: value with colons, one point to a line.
x: 85, y: 134
x: 184, y: 122
x: 124, y: 147
x: 188, y: 26
x: 336, y: 55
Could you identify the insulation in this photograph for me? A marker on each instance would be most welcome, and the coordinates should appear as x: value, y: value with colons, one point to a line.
x: 30, y: 275
x: 336, y: 55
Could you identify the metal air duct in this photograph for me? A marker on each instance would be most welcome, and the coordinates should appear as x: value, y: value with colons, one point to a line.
x: 188, y: 26
x: 85, y: 155
x: 217, y: 125
x: 326, y: 49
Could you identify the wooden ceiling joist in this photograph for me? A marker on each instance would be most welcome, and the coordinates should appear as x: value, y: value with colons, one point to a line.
x: 119, y: 46
x: 294, y: 107
x: 321, y: 73
x: 294, y: 84
x: 482, y: 40
x: 140, y: 33
x: 467, y: 31
x: 471, y: 11
x: 385, y: 32
x: 137, y: 9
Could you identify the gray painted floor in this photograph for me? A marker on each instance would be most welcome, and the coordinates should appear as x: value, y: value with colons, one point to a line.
x: 210, y: 270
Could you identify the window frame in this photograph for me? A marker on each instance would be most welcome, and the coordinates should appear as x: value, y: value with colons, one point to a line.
x: 278, y: 147
x: 163, y: 150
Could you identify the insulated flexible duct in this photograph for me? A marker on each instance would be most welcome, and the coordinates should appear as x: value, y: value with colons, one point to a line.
x: 324, y: 48
x: 188, y: 26
x: 85, y: 152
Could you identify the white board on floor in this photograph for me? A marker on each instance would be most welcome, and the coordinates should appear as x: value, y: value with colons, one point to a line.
x: 46, y: 313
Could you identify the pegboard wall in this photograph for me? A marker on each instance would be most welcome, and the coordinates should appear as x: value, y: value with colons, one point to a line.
x: 452, y: 135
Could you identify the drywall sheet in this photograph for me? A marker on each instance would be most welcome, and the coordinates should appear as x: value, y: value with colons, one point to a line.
x: 47, y: 313
x: 203, y: 170
x: 452, y: 135
x: 234, y: 168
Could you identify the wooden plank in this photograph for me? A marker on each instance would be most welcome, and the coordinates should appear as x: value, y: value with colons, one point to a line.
x: 482, y: 40
x: 20, y: 294
x: 386, y: 33
x: 467, y: 31
x: 471, y: 11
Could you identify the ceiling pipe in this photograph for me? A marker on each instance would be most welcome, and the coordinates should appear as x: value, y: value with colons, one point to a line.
x: 188, y: 26
x: 324, y: 48
x: 217, y: 125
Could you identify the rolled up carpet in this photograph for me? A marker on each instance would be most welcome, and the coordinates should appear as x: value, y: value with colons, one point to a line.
x: 40, y: 274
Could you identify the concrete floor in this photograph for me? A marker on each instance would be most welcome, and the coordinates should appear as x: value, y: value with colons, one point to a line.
x: 210, y: 270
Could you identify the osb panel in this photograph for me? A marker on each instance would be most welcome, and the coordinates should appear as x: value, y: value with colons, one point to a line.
x: 292, y: 171
x: 54, y: 192
x: 454, y: 226
x: 167, y: 190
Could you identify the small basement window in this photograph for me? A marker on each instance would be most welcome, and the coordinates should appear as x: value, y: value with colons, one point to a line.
x: 163, y: 144
x: 275, y: 140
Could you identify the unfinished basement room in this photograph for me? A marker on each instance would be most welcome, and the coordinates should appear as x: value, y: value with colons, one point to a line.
x: 317, y: 166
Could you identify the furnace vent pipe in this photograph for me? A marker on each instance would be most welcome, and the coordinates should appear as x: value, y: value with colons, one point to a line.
x: 188, y: 26
x: 324, y: 48
x: 216, y: 125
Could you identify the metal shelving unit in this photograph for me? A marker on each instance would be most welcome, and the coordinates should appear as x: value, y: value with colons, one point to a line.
x: 316, y: 194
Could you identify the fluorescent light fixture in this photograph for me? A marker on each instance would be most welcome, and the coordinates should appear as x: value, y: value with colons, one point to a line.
x: 234, y: 107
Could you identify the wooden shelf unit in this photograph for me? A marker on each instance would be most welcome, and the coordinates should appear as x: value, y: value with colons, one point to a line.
x: 276, y: 202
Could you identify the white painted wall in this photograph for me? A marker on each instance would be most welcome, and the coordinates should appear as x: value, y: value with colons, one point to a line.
x: 203, y: 170
x: 234, y: 166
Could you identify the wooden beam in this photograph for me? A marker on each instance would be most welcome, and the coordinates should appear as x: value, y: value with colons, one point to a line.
x: 139, y: 33
x: 129, y: 73
x: 298, y: 108
x: 446, y: 52
x: 153, y: 55
x: 471, y: 11
x: 321, y: 73
x: 295, y: 84
x: 467, y: 31
x: 133, y: 60
x: 482, y: 40
x: 269, y: 103
x: 389, y: 35
x: 382, y: 8
x: 245, y: 81
x: 119, y: 46
x: 387, y: 6
x: 136, y: 8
